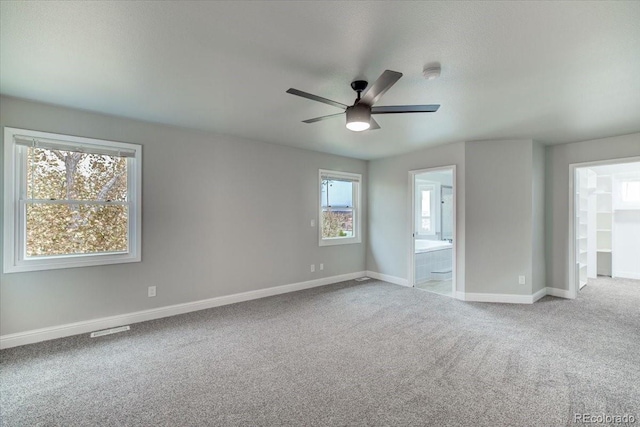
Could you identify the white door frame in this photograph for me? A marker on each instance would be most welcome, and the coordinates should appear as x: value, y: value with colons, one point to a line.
x: 573, y: 175
x: 412, y: 225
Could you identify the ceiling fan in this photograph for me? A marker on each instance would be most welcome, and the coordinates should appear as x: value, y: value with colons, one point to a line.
x: 359, y: 114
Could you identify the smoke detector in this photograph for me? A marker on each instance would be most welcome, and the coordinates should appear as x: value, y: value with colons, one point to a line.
x: 431, y: 72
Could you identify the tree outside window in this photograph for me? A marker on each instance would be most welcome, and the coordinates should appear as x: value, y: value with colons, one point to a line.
x: 71, y: 201
x: 77, y: 226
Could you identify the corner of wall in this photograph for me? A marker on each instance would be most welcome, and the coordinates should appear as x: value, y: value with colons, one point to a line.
x: 538, y: 229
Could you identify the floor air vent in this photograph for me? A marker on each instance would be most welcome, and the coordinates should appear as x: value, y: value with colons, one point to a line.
x: 109, y: 331
x: 362, y: 279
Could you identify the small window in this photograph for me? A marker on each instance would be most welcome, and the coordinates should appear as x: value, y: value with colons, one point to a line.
x: 339, y: 208
x: 425, y: 215
x: 626, y: 190
x: 425, y: 211
x: 630, y: 191
x: 70, y: 201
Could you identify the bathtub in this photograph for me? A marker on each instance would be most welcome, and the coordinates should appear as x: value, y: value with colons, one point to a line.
x: 433, y: 260
x: 431, y: 245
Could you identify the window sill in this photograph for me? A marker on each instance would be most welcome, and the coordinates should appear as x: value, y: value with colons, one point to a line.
x: 70, y: 262
x: 339, y: 241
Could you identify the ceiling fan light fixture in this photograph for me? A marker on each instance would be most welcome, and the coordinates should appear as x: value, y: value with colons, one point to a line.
x: 358, y: 118
x: 358, y: 126
x: 359, y: 115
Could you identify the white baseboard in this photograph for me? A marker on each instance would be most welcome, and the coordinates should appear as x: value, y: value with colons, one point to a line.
x: 385, y: 277
x: 540, y: 294
x: 560, y: 293
x: 502, y: 298
x: 44, y: 334
x: 627, y: 275
x: 478, y: 297
x: 513, y: 299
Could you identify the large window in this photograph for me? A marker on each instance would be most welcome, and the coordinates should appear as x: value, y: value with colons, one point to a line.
x: 69, y: 201
x: 339, y: 208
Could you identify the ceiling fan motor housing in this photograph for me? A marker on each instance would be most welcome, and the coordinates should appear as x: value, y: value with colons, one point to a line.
x: 359, y: 113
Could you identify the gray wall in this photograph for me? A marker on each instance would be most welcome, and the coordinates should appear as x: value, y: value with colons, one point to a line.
x: 223, y: 215
x: 497, y: 184
x: 220, y: 216
x: 499, y: 216
x: 389, y: 209
x: 539, y: 279
x: 559, y: 157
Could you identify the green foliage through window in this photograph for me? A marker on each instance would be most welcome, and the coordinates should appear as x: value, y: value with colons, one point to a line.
x: 337, y: 224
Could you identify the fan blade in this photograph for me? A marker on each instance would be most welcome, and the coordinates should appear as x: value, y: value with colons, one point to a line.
x: 312, y: 97
x: 318, y: 119
x: 396, y: 109
x: 374, y: 124
x: 380, y: 86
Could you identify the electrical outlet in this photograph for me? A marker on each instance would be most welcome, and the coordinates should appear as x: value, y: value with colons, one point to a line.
x: 151, y: 291
x: 321, y: 266
x: 313, y: 222
x: 313, y: 268
x: 521, y: 280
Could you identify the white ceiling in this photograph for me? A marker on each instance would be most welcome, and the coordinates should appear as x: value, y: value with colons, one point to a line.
x: 552, y: 71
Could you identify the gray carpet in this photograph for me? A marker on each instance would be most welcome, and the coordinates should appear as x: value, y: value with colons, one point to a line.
x: 347, y: 354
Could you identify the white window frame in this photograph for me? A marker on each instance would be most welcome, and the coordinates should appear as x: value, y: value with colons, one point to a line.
x: 357, y: 190
x: 619, y: 180
x: 14, y: 250
x: 433, y: 217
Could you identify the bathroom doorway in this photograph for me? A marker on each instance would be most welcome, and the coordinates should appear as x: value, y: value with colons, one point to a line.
x: 433, y: 228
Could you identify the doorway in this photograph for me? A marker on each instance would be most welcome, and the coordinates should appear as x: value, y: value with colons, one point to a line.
x: 604, y: 223
x: 432, y: 265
